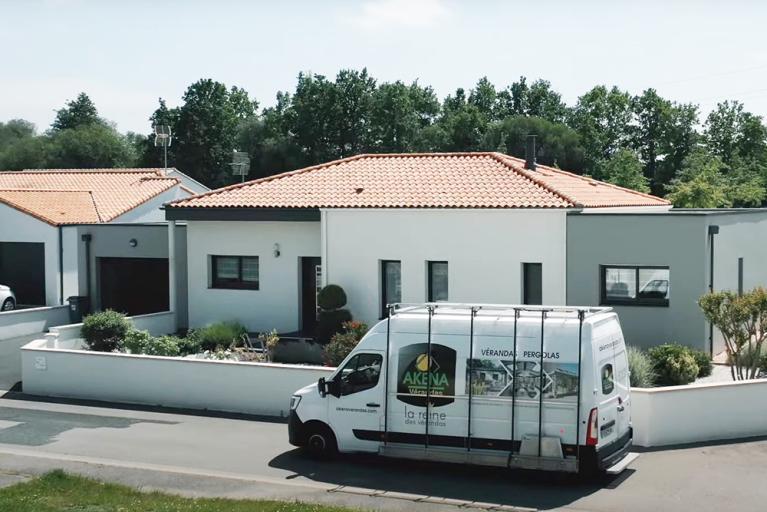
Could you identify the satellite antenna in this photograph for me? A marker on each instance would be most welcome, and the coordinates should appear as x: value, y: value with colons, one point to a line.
x: 162, y: 137
x: 240, y: 164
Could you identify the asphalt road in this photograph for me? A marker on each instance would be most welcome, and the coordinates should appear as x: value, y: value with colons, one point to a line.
x: 215, y: 456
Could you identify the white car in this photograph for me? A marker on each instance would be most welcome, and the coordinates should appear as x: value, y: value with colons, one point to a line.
x: 7, y: 298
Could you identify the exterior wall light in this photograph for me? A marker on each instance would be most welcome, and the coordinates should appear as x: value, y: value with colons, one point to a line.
x: 133, y: 242
x: 276, y: 250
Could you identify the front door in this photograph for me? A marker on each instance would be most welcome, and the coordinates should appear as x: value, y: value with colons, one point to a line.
x: 356, y: 416
x: 311, y: 282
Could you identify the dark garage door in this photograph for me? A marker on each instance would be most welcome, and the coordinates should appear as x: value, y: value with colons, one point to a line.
x: 22, y: 267
x: 135, y: 286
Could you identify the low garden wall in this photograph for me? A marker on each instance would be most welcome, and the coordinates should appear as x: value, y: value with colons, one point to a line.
x: 23, y: 322
x: 699, y: 412
x: 252, y: 388
x: 156, y: 323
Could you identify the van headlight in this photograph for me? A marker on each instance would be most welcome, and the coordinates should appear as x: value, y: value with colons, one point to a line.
x: 294, y: 401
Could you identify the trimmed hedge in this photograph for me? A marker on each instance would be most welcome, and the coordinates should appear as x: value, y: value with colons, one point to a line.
x: 105, y: 331
x: 674, y: 364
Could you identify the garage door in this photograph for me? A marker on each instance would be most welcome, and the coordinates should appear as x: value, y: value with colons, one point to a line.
x: 22, y: 267
x: 135, y: 286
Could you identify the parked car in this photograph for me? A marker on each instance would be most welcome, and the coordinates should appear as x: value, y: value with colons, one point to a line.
x: 7, y: 298
x: 478, y: 384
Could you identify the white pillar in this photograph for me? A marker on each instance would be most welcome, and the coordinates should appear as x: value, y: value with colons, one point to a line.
x: 172, y: 271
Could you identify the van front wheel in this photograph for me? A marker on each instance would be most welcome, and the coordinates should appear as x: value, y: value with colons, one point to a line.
x: 321, y: 443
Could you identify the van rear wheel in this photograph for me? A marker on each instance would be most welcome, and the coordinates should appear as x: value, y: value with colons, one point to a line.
x: 321, y: 443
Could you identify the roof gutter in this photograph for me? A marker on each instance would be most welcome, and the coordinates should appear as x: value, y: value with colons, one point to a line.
x: 242, y: 214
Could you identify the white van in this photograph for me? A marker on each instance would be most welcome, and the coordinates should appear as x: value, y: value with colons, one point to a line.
x: 498, y: 385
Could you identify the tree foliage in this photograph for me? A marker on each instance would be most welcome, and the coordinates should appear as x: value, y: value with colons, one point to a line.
x: 78, y: 112
x: 742, y: 320
x: 608, y: 133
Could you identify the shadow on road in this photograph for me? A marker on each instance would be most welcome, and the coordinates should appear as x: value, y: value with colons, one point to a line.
x: 38, y: 428
x: 494, y: 485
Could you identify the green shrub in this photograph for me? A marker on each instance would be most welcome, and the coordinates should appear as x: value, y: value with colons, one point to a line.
x: 344, y: 342
x: 674, y: 364
x: 641, y: 369
x: 331, y: 297
x: 136, y: 341
x: 763, y: 364
x: 219, y: 335
x: 105, y: 331
x: 189, y: 344
x: 141, y: 342
x: 331, y: 323
x: 704, y: 362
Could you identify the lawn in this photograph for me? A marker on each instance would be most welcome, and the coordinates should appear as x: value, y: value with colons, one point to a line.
x: 58, y: 491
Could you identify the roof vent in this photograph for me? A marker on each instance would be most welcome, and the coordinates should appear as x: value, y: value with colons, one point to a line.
x: 358, y: 190
x: 530, y: 153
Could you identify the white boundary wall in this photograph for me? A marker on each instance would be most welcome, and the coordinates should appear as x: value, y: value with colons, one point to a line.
x: 699, y: 412
x: 23, y: 322
x: 157, y: 324
x: 252, y: 388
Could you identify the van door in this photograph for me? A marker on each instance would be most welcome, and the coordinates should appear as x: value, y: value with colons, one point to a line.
x: 607, y: 390
x: 356, y: 416
x: 623, y: 385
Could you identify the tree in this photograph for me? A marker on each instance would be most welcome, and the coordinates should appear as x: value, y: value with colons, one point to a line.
x: 484, y: 97
x: 664, y: 136
x: 624, y: 169
x: 537, y: 99
x: 352, y: 113
x: 90, y: 146
x: 78, y: 112
x: 27, y: 153
x: 398, y: 113
x: 205, y: 129
x: 603, y: 119
x: 14, y: 131
x: 556, y: 144
x: 700, y: 183
x: 731, y: 134
x: 742, y: 320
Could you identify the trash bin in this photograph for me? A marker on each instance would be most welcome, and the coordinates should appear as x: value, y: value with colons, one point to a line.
x: 78, y: 308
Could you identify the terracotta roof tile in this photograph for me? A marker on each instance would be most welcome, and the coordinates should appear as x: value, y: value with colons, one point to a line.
x: 74, y: 196
x: 430, y: 180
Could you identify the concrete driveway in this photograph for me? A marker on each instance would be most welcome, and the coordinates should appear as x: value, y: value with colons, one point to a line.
x: 215, y: 456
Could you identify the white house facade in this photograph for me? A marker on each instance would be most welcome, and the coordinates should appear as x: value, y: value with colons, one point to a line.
x: 470, y: 227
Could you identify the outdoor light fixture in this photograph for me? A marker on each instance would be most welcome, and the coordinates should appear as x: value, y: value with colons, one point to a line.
x: 276, y: 250
x: 133, y: 242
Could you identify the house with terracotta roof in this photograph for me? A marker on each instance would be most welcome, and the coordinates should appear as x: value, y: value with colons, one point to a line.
x: 87, y: 232
x: 459, y: 227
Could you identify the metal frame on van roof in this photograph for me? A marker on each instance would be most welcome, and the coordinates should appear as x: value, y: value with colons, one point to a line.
x: 430, y: 308
x: 511, y: 309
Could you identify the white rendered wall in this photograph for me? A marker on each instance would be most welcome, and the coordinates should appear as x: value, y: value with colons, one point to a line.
x: 252, y: 388
x: 484, y: 249
x: 698, y: 412
x: 275, y: 305
x: 16, y: 226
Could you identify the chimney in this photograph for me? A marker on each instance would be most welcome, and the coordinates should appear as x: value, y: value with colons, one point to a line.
x: 530, y: 153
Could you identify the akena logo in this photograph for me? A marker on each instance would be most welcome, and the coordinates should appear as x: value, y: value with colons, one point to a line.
x: 421, y: 374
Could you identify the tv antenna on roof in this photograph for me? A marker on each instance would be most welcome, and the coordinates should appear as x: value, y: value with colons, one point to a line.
x: 240, y: 164
x: 162, y: 137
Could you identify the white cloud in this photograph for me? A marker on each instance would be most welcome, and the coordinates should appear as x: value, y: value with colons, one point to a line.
x: 376, y: 14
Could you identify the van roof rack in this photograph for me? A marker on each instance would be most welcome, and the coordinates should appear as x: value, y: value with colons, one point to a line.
x: 499, y: 309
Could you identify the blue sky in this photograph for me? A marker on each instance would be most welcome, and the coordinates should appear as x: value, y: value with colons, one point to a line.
x: 126, y: 54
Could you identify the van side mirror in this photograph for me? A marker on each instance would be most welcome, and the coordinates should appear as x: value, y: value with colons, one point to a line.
x: 322, y: 387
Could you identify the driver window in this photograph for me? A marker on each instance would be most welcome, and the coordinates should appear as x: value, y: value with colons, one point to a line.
x: 360, y: 373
